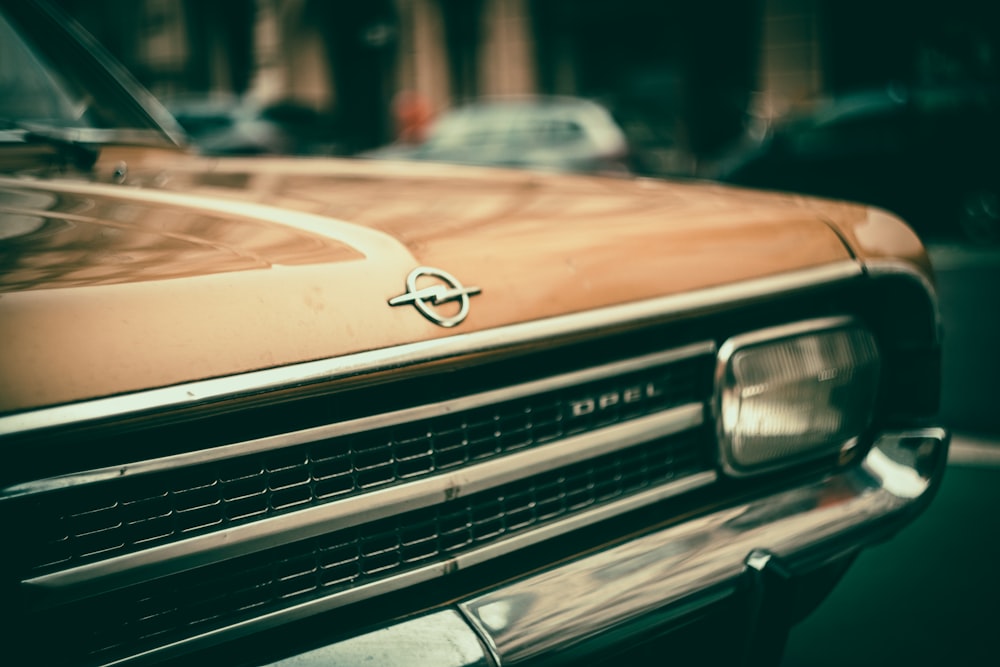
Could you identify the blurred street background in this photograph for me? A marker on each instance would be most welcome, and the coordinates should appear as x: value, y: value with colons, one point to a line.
x: 893, y: 102
x: 890, y: 102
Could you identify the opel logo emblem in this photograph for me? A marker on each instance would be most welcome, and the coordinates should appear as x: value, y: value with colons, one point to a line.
x: 445, y: 288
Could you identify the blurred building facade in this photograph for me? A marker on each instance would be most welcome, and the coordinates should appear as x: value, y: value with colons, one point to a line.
x: 683, y: 77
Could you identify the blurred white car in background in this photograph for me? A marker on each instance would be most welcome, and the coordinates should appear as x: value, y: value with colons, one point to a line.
x: 549, y: 133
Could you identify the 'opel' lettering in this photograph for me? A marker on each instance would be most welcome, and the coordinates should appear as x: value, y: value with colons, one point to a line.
x: 607, y: 400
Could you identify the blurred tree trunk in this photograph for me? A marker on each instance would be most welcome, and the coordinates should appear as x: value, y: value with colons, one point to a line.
x: 720, y: 63
x: 360, y: 39
x: 221, y: 38
x: 463, y: 34
x: 115, y: 24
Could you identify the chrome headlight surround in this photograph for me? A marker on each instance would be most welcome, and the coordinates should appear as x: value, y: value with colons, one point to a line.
x: 792, y: 393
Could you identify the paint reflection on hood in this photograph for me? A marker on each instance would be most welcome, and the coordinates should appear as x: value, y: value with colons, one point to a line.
x: 53, y: 240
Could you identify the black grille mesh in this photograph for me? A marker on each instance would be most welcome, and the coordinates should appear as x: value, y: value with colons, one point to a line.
x: 199, y: 600
x: 91, y: 523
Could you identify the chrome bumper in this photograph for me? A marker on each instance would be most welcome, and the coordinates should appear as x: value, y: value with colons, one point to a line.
x: 613, y: 595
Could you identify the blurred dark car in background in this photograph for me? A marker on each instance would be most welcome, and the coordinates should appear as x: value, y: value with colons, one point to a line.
x: 563, y: 134
x: 928, y: 154
x: 220, y: 124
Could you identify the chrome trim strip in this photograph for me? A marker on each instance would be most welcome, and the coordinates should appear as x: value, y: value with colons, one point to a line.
x: 782, y: 331
x: 412, y: 354
x: 559, y: 610
x: 967, y: 450
x: 366, y: 240
x: 362, y: 424
x: 76, y: 583
x: 886, y: 267
x: 424, y: 574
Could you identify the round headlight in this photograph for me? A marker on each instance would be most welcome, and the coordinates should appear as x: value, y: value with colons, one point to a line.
x: 794, y: 392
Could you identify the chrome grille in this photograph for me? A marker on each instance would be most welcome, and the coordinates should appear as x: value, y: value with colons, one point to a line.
x: 100, y: 521
x: 135, y: 557
x: 344, y: 560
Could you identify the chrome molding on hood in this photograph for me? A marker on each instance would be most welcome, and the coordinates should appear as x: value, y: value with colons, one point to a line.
x: 364, y: 239
x: 325, y: 370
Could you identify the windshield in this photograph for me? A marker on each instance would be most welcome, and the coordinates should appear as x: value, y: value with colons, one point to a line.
x: 31, y: 91
x: 65, y: 81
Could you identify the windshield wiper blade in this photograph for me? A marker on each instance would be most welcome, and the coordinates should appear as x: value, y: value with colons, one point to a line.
x: 69, y: 142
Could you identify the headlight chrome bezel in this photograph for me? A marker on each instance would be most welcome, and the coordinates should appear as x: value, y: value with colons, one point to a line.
x: 727, y: 391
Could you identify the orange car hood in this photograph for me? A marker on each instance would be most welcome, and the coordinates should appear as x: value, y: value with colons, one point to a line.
x: 200, y: 268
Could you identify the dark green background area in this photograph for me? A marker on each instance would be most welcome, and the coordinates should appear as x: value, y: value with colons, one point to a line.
x: 930, y: 596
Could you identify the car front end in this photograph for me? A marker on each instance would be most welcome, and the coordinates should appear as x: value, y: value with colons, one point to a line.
x: 286, y: 411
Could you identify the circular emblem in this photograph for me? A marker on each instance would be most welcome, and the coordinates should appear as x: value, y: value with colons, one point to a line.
x: 444, y: 289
